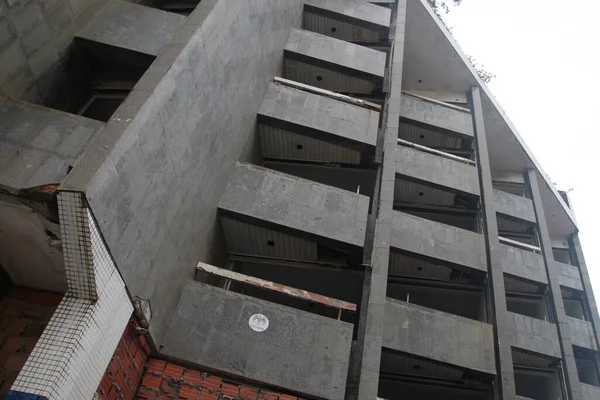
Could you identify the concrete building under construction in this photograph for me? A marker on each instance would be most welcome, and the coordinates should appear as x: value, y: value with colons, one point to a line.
x: 274, y: 199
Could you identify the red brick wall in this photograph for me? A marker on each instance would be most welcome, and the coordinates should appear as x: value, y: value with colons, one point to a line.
x: 124, y: 373
x: 165, y: 381
x: 24, y: 314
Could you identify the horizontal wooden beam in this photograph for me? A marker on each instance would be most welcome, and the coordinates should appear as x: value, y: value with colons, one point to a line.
x: 328, y: 93
x: 436, y: 152
x: 276, y: 287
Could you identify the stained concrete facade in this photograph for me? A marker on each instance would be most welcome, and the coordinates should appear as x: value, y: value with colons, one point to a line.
x: 301, y: 352
x: 187, y: 169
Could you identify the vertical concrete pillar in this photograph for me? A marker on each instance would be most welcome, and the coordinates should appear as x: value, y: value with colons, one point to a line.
x: 556, y: 300
x: 505, y: 383
x: 373, y: 337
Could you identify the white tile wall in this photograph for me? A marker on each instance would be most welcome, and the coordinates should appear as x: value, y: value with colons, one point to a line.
x: 70, y: 358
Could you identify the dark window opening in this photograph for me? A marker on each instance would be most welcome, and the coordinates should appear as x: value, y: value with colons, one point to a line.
x: 575, y: 305
x: 5, y: 283
x: 562, y: 255
x: 516, y: 188
x: 181, y: 7
x: 96, y: 80
x: 517, y: 230
x: 531, y: 305
x: 587, y: 367
x: 436, y: 138
x: 538, y: 383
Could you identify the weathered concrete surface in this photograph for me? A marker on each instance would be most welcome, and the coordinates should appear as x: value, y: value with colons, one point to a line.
x: 301, y: 205
x: 38, y: 145
x: 440, y: 336
x: 438, y: 170
x: 523, y: 264
x: 590, y: 392
x: 438, y: 241
x: 325, y: 118
x: 336, y: 52
x: 353, y: 10
x: 514, y: 206
x: 156, y: 173
x: 133, y: 27
x: 34, y: 36
x: 433, y: 114
x: 298, y: 351
x: 582, y: 333
x: 532, y: 334
x: 355, y: 20
x: 568, y: 276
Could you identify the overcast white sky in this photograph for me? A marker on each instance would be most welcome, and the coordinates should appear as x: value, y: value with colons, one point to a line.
x: 546, y: 57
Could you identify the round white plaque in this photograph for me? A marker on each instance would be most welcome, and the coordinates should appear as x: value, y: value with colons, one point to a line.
x: 258, y: 322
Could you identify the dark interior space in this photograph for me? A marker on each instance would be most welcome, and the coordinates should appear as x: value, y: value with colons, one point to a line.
x: 339, y: 284
x: 516, y: 229
x: 436, y: 138
x: 514, y: 284
x: 587, y: 366
x: 532, y: 305
x: 464, y: 300
x: 95, y: 79
x: 575, y: 304
x: 407, y: 377
x: 5, y: 283
x: 518, y: 189
x: 538, y: 383
x: 562, y: 255
x: 182, y: 7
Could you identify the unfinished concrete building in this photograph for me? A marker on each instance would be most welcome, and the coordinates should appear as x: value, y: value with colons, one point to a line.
x: 274, y: 199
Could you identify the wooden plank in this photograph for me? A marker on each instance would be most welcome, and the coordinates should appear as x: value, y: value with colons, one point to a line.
x: 328, y: 93
x: 436, y: 152
x: 522, y: 245
x: 276, y: 287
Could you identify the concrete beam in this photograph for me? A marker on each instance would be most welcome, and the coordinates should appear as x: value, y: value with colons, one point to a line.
x: 298, y: 206
x: 432, y: 114
x: 589, y: 392
x: 523, y: 264
x: 582, y: 333
x: 438, y: 171
x: 568, y: 276
x: 299, y: 351
x: 134, y: 27
x: 514, y: 206
x: 532, y: 334
x: 438, y: 241
x: 439, y: 336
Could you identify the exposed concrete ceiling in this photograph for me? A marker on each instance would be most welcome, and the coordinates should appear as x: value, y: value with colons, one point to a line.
x: 434, y: 64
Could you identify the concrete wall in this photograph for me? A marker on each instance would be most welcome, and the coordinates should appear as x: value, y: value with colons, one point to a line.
x: 532, y: 334
x: 436, y: 170
x: 158, y: 169
x: 429, y: 113
x: 299, y: 351
x: 342, y: 54
x: 334, y: 120
x: 265, y: 195
x: 438, y: 241
x: 34, y: 36
x: 514, y: 206
x: 582, y: 333
x: 39, y: 144
x: 568, y: 276
x: 523, y: 264
x: 132, y: 26
x: 440, y: 336
x: 353, y: 10
x: 590, y: 392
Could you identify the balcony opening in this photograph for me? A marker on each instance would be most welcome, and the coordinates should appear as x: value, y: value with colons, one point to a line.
x: 575, y: 304
x: 587, y: 366
x: 562, y: 255
x: 517, y: 230
x: 345, y: 285
x: 97, y: 80
x: 351, y: 178
x: 531, y: 305
x: 407, y: 377
x: 537, y: 377
x: 181, y: 7
x: 463, y: 300
x: 435, y: 203
x: 436, y: 139
x: 517, y: 285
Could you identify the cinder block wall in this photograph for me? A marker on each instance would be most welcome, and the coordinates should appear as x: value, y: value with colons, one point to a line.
x: 24, y: 314
x: 34, y: 37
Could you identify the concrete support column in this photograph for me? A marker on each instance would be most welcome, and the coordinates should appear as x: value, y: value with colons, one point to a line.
x: 505, y: 382
x: 556, y: 300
